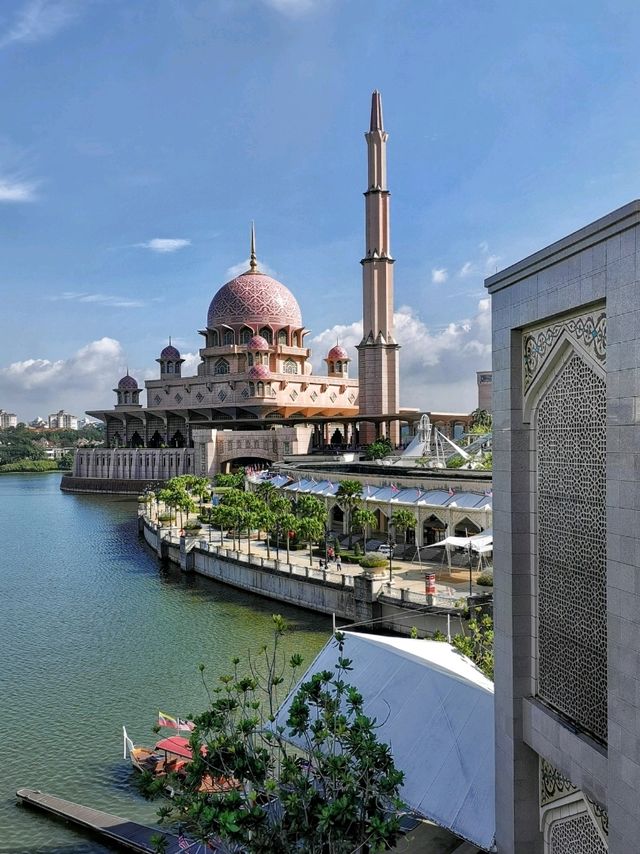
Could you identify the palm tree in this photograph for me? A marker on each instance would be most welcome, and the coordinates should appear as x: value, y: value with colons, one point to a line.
x: 348, y: 496
x: 364, y: 520
x: 310, y: 529
x: 403, y: 521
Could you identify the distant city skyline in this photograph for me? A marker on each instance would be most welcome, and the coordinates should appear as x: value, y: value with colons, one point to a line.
x: 144, y: 138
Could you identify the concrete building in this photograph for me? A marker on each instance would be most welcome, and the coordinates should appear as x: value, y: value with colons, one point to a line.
x: 61, y: 420
x: 8, y: 419
x: 566, y: 457
x: 485, y: 390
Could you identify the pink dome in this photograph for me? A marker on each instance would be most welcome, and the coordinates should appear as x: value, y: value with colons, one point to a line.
x: 337, y: 352
x: 254, y: 297
x: 258, y: 343
x: 259, y: 372
x: 128, y: 382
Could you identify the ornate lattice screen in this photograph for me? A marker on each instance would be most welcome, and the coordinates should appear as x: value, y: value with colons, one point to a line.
x: 572, y: 643
x: 575, y: 835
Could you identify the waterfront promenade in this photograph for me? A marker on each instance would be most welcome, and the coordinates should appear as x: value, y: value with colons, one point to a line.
x: 393, y: 598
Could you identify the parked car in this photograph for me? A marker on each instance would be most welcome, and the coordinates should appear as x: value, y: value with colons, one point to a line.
x: 385, y: 549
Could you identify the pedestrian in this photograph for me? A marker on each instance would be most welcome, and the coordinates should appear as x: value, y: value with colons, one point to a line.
x: 339, y: 563
x: 321, y: 564
x: 330, y: 553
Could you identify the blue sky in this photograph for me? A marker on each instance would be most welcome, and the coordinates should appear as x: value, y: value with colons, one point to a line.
x: 128, y: 122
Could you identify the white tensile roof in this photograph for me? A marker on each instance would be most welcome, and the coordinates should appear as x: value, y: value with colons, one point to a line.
x: 434, y: 708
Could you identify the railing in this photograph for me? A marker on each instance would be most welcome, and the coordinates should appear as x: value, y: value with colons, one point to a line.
x: 326, y: 576
x: 412, y: 597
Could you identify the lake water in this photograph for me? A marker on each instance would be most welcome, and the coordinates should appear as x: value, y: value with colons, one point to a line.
x: 95, y: 634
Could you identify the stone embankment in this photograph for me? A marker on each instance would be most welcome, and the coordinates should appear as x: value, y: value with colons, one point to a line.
x: 363, y: 598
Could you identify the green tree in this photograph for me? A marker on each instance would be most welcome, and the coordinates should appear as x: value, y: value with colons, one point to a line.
x: 340, y: 795
x: 349, y: 495
x: 310, y: 530
x: 364, y: 520
x: 403, y: 521
x: 478, y: 644
x: 19, y: 443
x: 480, y: 418
x: 379, y: 449
x: 285, y: 521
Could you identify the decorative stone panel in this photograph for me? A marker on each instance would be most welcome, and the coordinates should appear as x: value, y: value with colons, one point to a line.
x: 586, y: 331
x: 572, y: 631
x: 575, y: 835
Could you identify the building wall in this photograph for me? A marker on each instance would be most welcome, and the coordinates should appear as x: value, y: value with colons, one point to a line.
x: 485, y: 390
x: 566, y: 449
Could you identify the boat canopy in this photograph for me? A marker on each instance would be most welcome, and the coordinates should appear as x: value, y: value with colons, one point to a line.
x: 176, y: 744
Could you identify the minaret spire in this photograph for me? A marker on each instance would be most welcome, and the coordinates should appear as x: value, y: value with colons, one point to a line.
x: 376, y: 112
x: 378, y: 351
x: 253, y: 262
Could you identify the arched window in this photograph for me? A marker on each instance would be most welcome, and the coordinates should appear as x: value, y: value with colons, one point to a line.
x: 221, y: 367
x: 267, y: 334
x: 214, y: 338
x: 169, y: 367
x: 229, y: 337
x: 246, y: 335
x: 249, y: 359
x: 260, y: 389
x: 252, y: 390
x: 338, y: 367
x: 282, y: 337
x: 126, y: 397
x: 290, y: 367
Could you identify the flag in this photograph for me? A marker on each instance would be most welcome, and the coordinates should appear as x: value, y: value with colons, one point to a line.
x: 451, y: 491
x: 185, y: 726
x: 394, y: 488
x: 183, y: 843
x: 489, y: 493
x: 167, y: 720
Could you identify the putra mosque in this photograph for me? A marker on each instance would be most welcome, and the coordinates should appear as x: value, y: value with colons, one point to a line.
x: 254, y: 398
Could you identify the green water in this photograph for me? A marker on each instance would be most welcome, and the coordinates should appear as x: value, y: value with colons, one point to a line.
x: 95, y: 634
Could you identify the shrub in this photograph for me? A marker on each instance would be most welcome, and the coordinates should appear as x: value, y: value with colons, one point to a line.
x: 373, y: 561
x: 26, y: 465
x: 485, y: 579
x: 357, y: 550
x: 192, y: 526
x: 165, y: 517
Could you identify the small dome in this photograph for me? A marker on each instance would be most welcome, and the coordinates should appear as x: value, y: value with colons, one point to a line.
x: 337, y: 352
x: 258, y: 343
x: 128, y: 382
x: 259, y: 372
x: 170, y: 352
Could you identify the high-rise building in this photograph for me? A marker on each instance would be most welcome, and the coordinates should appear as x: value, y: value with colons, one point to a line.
x: 61, y: 420
x: 8, y: 419
x: 378, y: 350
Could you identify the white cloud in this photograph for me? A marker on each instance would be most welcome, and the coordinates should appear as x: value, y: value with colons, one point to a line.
x: 83, y: 380
x: 12, y: 190
x: 102, y: 299
x: 39, y: 20
x: 439, y: 275
x: 467, y: 269
x: 293, y: 8
x: 437, y: 367
x: 243, y: 266
x: 165, y: 244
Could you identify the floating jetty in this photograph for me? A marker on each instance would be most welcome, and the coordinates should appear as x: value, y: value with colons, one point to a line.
x: 128, y: 835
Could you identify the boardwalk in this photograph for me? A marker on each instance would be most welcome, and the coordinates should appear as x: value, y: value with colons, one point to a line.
x: 128, y: 835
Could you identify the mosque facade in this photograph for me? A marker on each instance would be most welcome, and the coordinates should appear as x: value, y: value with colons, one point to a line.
x: 254, y: 397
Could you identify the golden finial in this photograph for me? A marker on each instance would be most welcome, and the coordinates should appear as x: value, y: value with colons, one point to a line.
x: 253, y: 262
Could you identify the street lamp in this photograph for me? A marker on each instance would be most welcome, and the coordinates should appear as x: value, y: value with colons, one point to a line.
x: 391, y: 548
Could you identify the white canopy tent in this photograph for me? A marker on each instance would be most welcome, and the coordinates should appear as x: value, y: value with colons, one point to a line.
x: 479, y: 544
x: 434, y: 708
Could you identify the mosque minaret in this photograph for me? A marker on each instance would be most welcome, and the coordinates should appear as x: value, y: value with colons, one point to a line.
x: 378, y: 350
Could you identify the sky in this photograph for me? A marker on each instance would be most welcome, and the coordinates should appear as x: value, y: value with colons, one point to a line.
x: 139, y: 138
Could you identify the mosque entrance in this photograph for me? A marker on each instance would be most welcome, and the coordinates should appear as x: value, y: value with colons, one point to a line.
x: 256, y: 462
x: 156, y: 441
